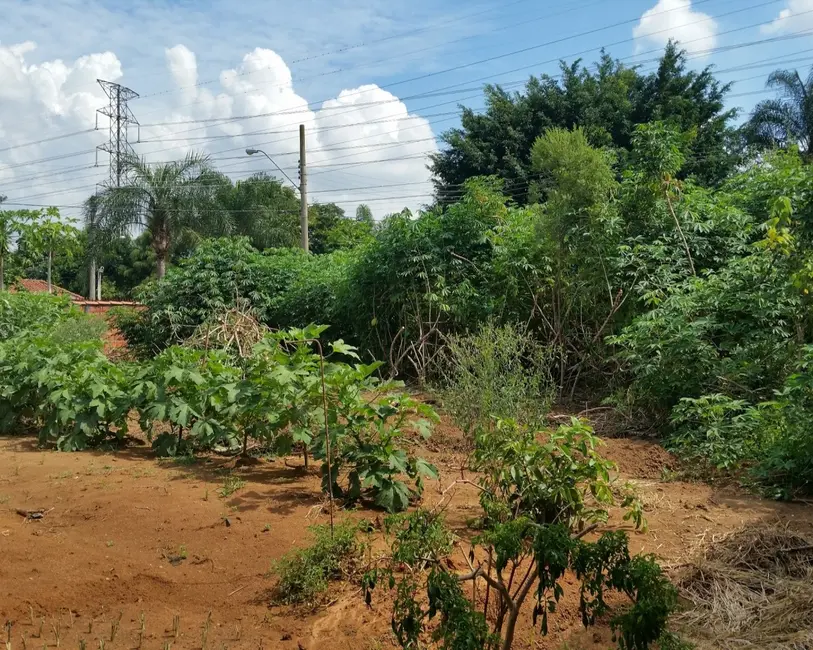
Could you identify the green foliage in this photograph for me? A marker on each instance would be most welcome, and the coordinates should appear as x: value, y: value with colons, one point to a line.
x: 785, y: 468
x: 172, y: 201
x: 284, y: 288
x: 420, y: 539
x: 417, y: 536
x: 12, y: 224
x: 733, y: 330
x: 536, y: 497
x: 82, y: 328
x: 497, y: 372
x: 262, y: 209
x: 71, y: 391
x: 717, y: 431
x: 562, y: 479
x: 601, y: 566
x: 231, y: 484
x: 787, y: 120
x: 304, y: 573
x: 33, y: 312
x: 606, y: 100
x: 46, y: 235
x: 190, y: 391
x: 331, y: 230
x: 367, y: 423
x: 187, y: 399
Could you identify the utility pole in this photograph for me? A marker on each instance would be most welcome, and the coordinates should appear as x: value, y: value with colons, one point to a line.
x: 118, y: 146
x: 303, y: 189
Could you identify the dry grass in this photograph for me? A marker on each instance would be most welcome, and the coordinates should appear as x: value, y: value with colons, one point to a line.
x: 236, y: 328
x: 751, y: 589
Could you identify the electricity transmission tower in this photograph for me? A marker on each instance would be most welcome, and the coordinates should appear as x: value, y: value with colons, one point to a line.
x: 118, y: 146
x: 120, y: 116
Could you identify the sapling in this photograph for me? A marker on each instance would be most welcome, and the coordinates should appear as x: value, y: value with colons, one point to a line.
x: 25, y: 645
x: 205, y: 631
x: 31, y: 614
x: 114, y: 627
x: 9, y: 625
x: 176, y: 626
x: 142, y: 629
x: 42, y: 625
x: 82, y: 644
x: 56, y: 627
x: 101, y: 644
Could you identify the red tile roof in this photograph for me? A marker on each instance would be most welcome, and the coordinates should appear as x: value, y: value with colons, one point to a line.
x: 41, y: 286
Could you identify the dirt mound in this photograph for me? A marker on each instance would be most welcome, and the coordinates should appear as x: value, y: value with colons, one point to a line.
x: 638, y: 458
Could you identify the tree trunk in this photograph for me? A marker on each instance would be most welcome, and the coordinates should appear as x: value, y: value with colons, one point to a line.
x: 508, y: 639
x: 160, y: 244
x: 92, y: 281
x: 50, y: 261
x: 2, y: 272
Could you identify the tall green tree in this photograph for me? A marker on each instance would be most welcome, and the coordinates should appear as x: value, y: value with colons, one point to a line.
x: 169, y: 200
x: 47, y: 234
x: 364, y: 213
x: 606, y: 101
x: 262, y: 209
x: 788, y: 118
x: 11, y: 225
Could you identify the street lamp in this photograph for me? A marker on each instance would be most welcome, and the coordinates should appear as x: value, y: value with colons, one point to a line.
x: 251, y: 152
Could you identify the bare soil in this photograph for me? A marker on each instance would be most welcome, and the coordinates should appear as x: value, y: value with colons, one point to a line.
x: 124, y: 534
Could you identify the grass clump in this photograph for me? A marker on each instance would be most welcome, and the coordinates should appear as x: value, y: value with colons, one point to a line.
x: 304, y: 573
x: 496, y: 372
x: 231, y: 484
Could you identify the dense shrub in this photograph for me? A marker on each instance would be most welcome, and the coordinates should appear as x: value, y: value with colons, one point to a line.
x: 496, y: 372
x: 27, y: 312
x: 734, y: 331
x: 70, y: 392
x: 283, y: 287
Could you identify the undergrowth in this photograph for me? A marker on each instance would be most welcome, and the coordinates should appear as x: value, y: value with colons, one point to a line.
x: 304, y: 573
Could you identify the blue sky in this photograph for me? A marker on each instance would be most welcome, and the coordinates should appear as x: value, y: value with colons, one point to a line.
x: 405, y: 47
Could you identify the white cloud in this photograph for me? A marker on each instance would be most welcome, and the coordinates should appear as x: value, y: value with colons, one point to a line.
x: 363, y: 138
x: 675, y: 19
x: 795, y: 17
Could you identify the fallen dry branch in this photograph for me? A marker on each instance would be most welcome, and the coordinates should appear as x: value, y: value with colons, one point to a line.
x: 752, y: 589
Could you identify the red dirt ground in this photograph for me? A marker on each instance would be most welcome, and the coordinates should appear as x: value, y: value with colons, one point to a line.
x: 115, y: 519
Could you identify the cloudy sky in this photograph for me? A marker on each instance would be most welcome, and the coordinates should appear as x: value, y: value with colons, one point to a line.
x: 374, y: 82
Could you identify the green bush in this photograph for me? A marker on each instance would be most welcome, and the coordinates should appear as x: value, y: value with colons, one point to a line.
x: 732, y: 332
x: 76, y: 330
x: 497, y: 372
x: 785, y: 466
x: 70, y: 391
x: 192, y: 391
x: 716, y: 431
x: 771, y: 439
x: 304, y: 574
x: 28, y: 312
x: 284, y: 288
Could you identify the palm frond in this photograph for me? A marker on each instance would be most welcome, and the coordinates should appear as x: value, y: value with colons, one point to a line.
x: 789, y: 84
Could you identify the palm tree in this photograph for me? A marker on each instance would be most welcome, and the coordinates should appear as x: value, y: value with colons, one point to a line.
x: 787, y: 119
x: 168, y: 200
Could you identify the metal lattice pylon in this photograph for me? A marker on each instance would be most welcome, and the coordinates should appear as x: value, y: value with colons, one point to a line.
x: 121, y: 117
